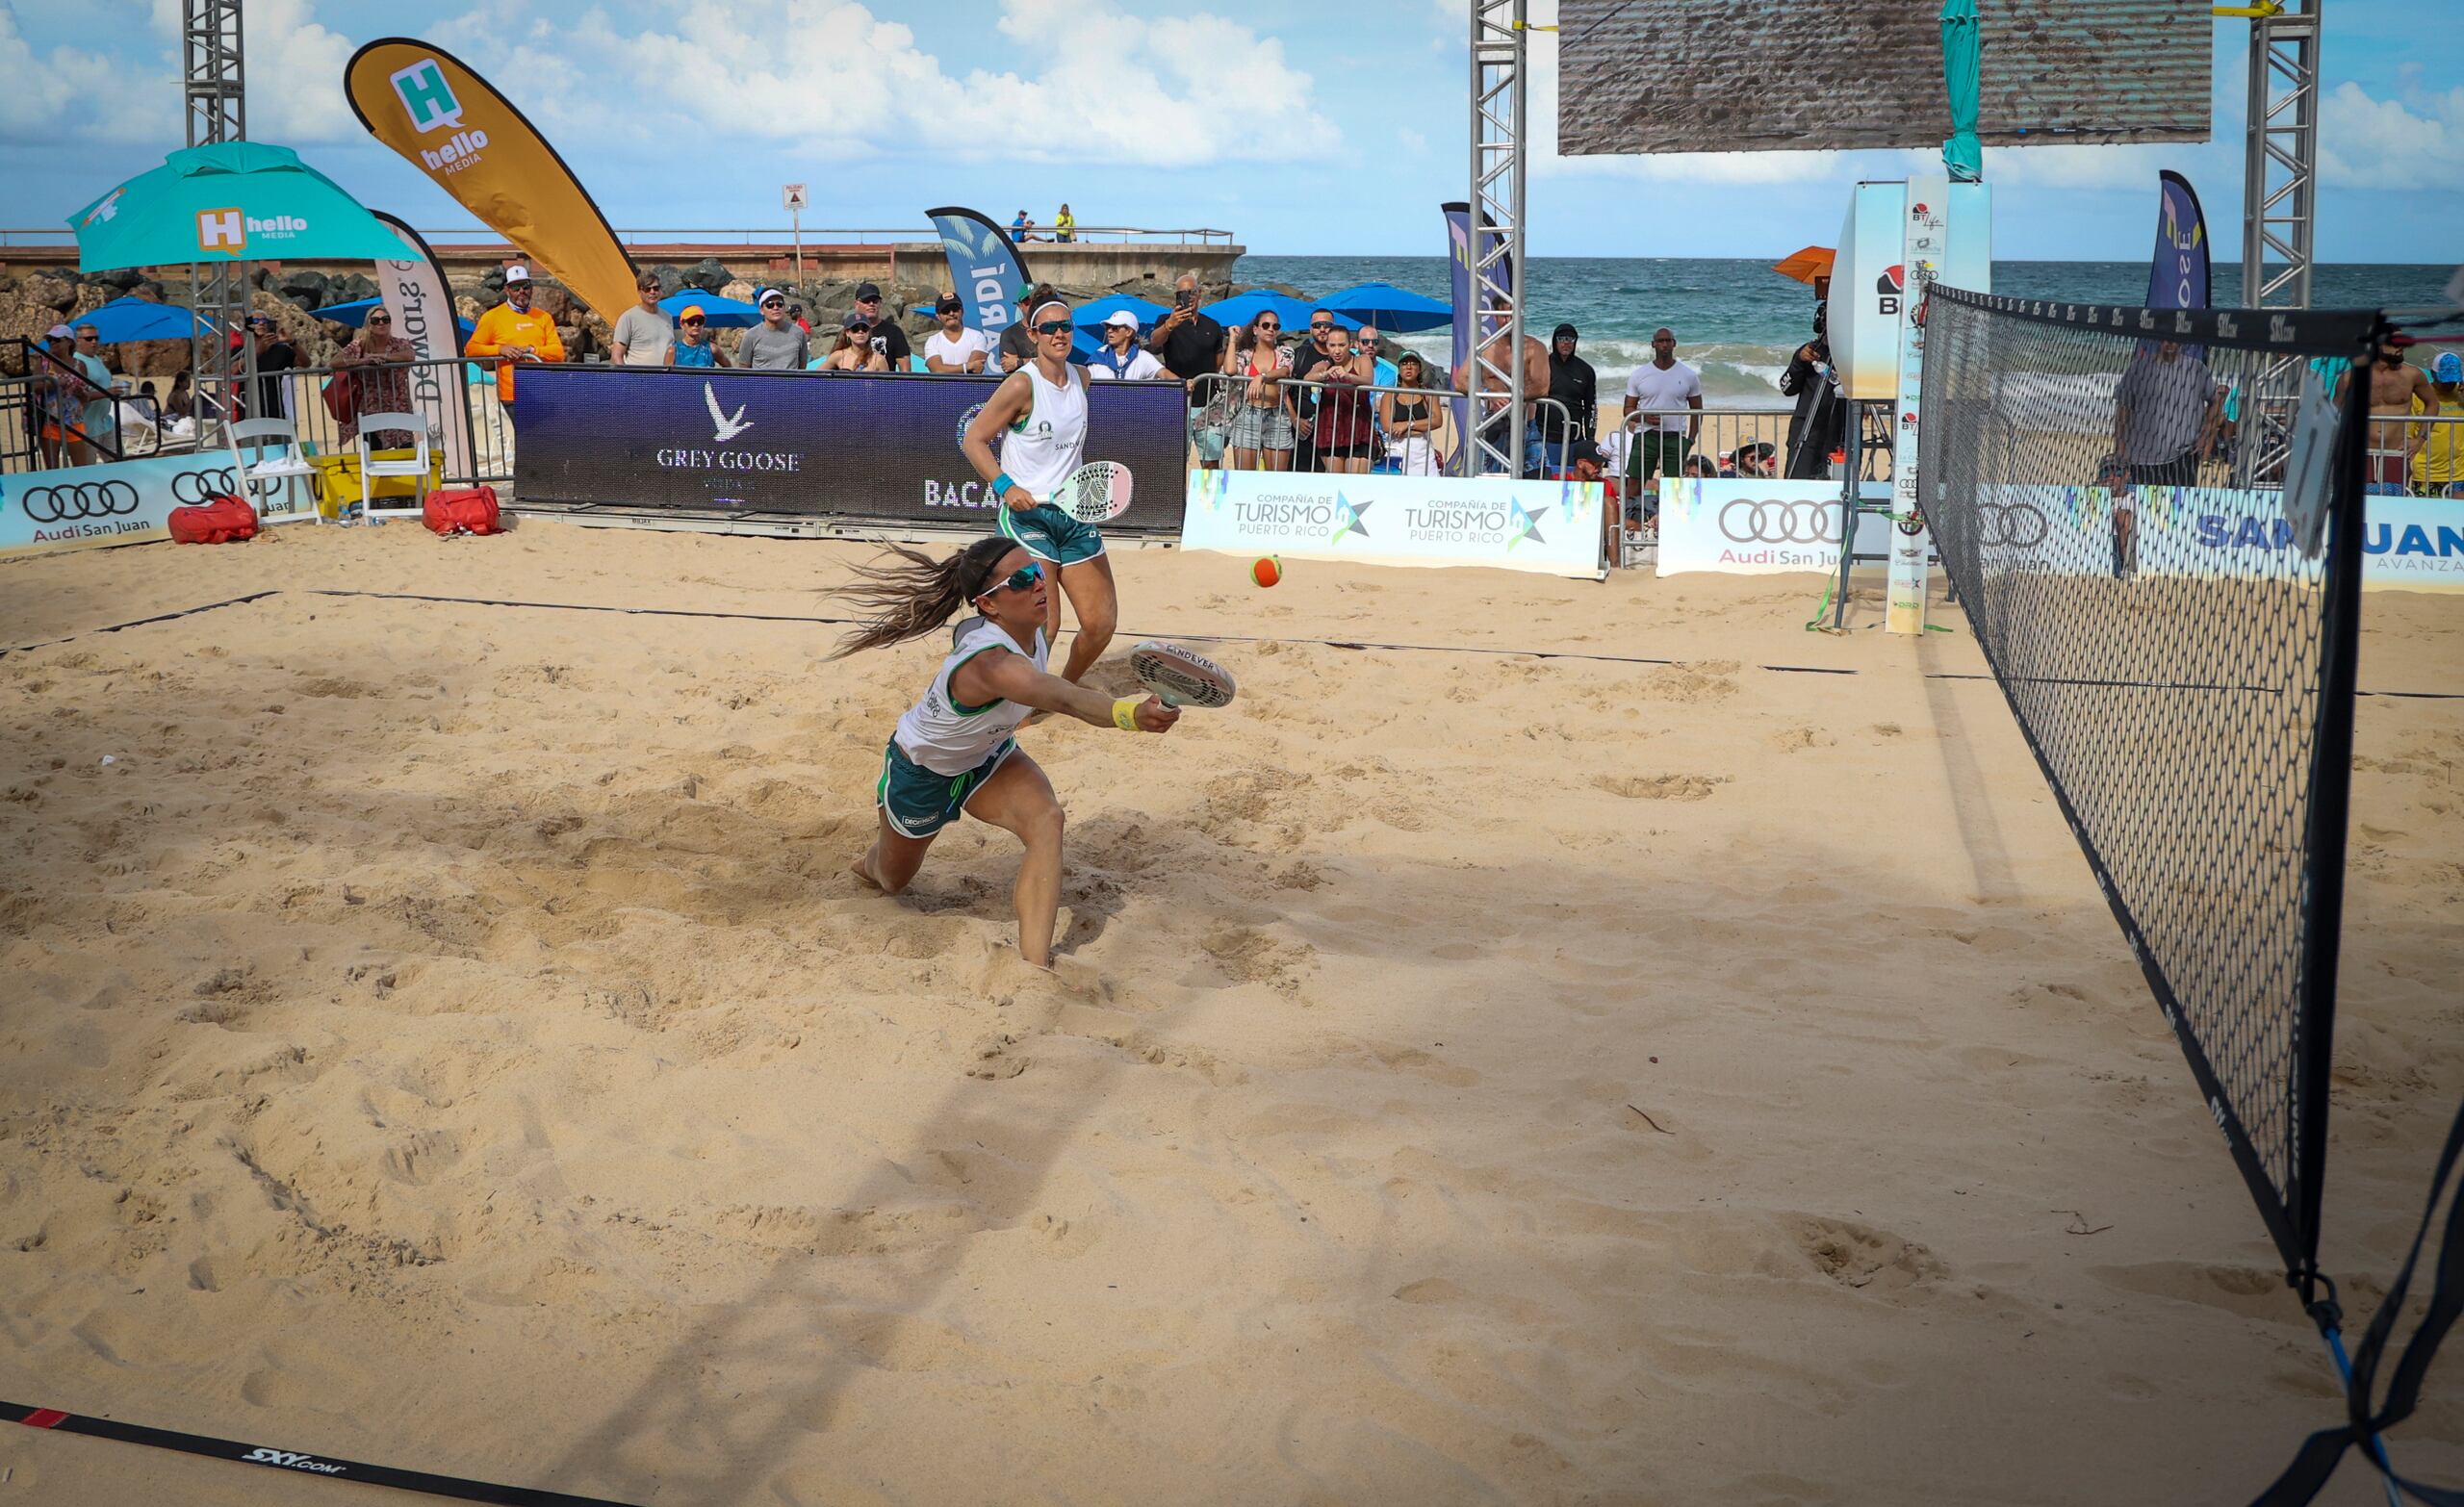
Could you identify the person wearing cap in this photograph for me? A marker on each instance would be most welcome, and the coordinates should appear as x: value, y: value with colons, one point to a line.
x: 2399, y: 388
x: 853, y: 351
x: 954, y: 349
x: 2438, y: 465
x: 773, y: 344
x: 1122, y: 358
x: 98, y: 419
x: 274, y: 357
x: 643, y: 336
x: 1575, y: 385
x: 696, y: 342
x: 1587, y: 462
x: 514, y: 332
x: 888, y: 338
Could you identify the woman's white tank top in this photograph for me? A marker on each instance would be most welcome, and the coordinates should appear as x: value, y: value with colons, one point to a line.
x: 1040, y: 450
x: 950, y: 739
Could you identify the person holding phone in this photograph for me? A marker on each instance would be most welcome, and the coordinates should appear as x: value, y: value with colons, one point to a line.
x: 1189, y: 343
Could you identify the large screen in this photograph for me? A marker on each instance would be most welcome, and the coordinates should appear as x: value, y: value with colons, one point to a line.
x: 1785, y: 75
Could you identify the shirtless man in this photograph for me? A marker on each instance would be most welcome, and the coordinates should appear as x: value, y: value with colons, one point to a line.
x: 1535, y: 386
x: 2393, y: 388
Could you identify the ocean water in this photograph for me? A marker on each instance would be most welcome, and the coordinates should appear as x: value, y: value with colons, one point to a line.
x: 1737, y: 321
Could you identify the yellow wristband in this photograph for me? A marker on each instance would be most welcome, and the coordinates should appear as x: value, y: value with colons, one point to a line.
x: 1126, y: 714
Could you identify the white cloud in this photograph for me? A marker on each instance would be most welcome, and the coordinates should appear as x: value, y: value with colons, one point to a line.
x: 2381, y: 143
x: 829, y: 76
x: 294, y: 68
x: 81, y: 93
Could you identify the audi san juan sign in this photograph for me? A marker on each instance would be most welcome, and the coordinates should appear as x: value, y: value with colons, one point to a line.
x: 127, y: 502
x: 1756, y: 528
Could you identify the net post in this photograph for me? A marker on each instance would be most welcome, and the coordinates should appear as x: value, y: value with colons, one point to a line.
x: 2330, y: 806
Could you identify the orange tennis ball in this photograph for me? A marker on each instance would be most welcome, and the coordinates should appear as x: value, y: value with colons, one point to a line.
x: 1266, y: 569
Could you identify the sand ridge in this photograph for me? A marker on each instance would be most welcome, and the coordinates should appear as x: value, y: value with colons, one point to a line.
x: 446, y: 1036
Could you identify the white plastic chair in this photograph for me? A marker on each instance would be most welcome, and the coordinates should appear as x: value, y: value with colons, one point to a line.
x: 285, y: 464
x: 416, y: 466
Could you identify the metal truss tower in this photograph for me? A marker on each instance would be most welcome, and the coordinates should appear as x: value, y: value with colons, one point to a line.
x: 217, y: 111
x: 2280, y: 173
x: 1499, y: 36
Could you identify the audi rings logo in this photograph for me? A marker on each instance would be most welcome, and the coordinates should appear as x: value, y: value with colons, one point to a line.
x: 1749, y: 522
x: 75, y: 501
x: 2018, y: 524
x: 194, y: 487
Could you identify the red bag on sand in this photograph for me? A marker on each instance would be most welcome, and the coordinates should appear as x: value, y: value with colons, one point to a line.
x: 220, y: 521
x: 462, y: 510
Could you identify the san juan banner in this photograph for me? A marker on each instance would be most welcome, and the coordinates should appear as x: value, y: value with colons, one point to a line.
x: 986, y: 270
x: 416, y: 295
x: 2178, y: 278
x: 1549, y: 528
x: 454, y: 126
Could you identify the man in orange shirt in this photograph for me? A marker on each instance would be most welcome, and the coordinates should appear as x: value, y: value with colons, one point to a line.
x: 513, y: 332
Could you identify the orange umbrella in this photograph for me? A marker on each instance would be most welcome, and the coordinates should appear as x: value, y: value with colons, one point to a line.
x: 1807, y: 264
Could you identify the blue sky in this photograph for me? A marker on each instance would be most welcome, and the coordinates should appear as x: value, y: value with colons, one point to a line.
x: 1303, y: 126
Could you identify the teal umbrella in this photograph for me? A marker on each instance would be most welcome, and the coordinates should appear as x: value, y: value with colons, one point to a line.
x: 236, y: 201
x: 1963, y: 155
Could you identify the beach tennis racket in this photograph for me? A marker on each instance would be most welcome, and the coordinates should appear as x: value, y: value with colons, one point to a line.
x: 1181, y: 677
x: 1095, y: 492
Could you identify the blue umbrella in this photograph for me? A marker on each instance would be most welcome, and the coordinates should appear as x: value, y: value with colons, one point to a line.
x: 355, y: 313
x: 723, y: 314
x: 124, y: 319
x: 1241, y: 308
x: 1394, y: 310
x: 1092, y: 316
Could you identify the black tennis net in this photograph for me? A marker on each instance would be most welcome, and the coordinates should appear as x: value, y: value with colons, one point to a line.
x: 2153, y: 522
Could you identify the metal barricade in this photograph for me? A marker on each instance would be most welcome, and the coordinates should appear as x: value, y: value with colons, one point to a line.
x: 1313, y: 424
x: 458, y: 396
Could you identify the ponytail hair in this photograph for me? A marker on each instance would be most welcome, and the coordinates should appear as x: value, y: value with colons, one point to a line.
x: 913, y: 594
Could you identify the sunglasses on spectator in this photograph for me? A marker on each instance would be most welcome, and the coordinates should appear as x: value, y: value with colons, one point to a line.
x: 1269, y: 329
x: 774, y: 303
x: 1019, y: 580
x: 1321, y: 324
x: 380, y: 318
x: 1053, y: 327
x: 693, y: 318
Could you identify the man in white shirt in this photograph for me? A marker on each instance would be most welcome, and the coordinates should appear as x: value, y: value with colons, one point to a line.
x: 1122, y: 358
x: 1662, y: 390
x: 954, y: 347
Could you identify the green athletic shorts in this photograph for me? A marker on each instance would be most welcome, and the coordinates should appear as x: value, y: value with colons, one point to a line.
x: 1050, y: 534
x: 921, y: 802
x: 1659, y: 451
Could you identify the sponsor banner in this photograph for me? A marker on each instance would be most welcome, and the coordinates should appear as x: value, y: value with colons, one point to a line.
x: 2178, y: 276
x: 420, y: 300
x: 1759, y: 527
x: 1868, y: 286
x: 2414, y: 543
x: 1462, y: 257
x: 124, y: 503
x: 1550, y: 527
x: 1925, y: 245
x: 855, y: 444
x: 986, y: 270
x: 471, y: 142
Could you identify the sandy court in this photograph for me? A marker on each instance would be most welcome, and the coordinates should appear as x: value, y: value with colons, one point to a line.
x: 446, y: 1036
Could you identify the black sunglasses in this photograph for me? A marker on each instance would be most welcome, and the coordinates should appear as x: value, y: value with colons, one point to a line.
x: 1317, y: 325
x: 692, y: 318
x: 1019, y: 580
x: 1269, y: 329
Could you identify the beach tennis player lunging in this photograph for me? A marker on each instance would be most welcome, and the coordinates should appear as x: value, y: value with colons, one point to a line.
x: 1039, y: 417
x: 954, y: 750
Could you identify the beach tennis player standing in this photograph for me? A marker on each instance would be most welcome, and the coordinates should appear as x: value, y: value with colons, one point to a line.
x: 954, y: 750
x: 1039, y: 417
